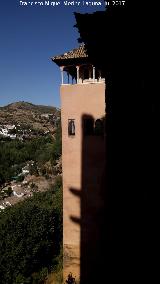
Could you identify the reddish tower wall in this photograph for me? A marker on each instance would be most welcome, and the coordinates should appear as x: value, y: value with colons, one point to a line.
x: 82, y: 164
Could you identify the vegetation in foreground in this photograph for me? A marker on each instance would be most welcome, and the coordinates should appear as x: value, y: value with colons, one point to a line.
x: 31, y: 238
x: 31, y: 230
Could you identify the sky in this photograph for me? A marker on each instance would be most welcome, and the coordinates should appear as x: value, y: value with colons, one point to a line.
x: 29, y: 36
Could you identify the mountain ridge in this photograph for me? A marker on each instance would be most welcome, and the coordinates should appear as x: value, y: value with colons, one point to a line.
x: 28, y: 105
x: 39, y: 116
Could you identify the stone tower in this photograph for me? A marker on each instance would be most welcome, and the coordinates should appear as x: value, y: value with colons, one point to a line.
x: 82, y: 94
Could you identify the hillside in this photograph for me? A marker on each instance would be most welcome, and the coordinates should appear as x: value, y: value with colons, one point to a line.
x: 30, y: 194
x: 29, y: 106
x: 36, y: 116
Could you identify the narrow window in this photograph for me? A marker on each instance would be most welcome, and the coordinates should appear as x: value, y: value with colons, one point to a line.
x: 71, y: 127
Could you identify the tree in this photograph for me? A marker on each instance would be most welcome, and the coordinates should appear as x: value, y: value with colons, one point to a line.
x: 57, y: 147
x: 31, y: 238
x: 2, y: 179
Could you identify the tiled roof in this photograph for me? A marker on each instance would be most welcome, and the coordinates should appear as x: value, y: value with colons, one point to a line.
x: 79, y: 52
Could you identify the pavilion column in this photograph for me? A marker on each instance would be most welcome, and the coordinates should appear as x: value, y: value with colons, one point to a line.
x: 93, y: 73
x: 77, y: 67
x: 90, y: 73
x: 68, y: 76
x: 62, y: 78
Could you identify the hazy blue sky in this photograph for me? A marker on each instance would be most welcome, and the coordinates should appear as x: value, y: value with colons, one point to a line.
x: 29, y: 37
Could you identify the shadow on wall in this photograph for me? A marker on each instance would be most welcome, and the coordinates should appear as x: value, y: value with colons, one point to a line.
x: 93, y: 196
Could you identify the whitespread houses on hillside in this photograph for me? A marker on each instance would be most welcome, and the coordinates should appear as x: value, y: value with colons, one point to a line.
x: 6, y: 130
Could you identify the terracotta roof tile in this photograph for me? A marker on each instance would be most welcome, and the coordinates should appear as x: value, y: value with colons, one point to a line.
x: 79, y: 52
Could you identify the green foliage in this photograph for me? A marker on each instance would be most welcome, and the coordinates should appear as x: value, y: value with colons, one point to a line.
x: 2, y: 178
x: 57, y: 147
x: 31, y: 231
x: 57, y: 183
x: 31, y: 238
x: 15, y: 152
x: 21, y: 279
